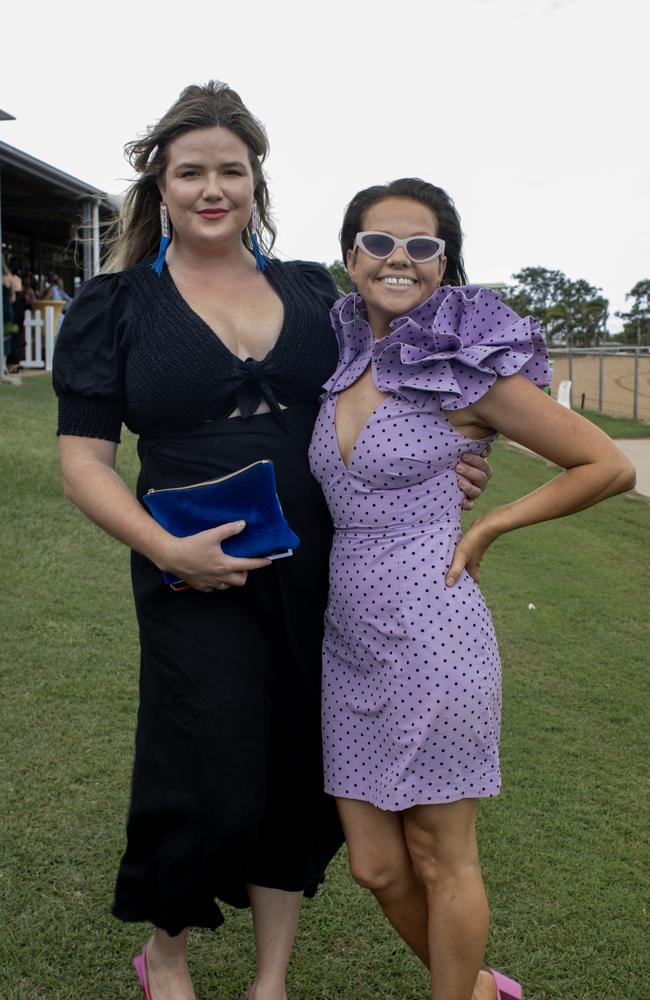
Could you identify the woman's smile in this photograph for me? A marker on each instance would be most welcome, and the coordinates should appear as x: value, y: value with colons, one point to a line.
x: 397, y: 283
x: 213, y: 213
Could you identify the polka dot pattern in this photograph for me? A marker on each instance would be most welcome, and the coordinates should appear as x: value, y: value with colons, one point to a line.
x: 411, y: 672
x: 455, y: 344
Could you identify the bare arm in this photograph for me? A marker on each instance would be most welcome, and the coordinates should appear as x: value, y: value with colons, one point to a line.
x: 594, y: 467
x: 91, y: 483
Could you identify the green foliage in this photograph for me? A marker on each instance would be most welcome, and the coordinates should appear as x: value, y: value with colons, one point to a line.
x: 536, y: 290
x: 636, y: 325
x: 571, y: 312
x: 564, y: 848
x: 341, y: 276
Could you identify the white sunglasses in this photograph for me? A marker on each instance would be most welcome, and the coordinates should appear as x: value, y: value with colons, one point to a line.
x: 419, y: 249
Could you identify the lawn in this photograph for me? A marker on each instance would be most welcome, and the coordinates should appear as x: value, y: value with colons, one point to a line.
x: 618, y: 427
x: 564, y: 849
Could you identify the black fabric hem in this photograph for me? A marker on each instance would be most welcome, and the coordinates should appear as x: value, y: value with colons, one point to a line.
x: 88, y: 416
x: 209, y: 917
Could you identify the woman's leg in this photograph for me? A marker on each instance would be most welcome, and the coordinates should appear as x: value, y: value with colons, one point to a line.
x: 169, y: 977
x: 380, y: 861
x: 441, y: 840
x: 275, y: 921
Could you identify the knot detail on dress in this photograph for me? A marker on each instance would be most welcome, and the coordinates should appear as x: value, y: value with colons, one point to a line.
x: 252, y: 386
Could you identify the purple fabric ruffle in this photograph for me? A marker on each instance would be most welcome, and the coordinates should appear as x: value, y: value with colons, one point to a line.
x: 455, y: 344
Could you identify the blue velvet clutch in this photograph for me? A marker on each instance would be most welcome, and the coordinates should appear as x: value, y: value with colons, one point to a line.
x: 248, y: 495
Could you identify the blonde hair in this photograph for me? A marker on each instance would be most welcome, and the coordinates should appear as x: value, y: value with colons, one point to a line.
x: 135, y: 235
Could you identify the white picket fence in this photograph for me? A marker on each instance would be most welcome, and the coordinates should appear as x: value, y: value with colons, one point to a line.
x: 39, y: 339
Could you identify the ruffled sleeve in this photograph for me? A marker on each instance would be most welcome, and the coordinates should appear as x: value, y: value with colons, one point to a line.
x: 456, y: 344
x: 88, y: 375
x: 350, y: 324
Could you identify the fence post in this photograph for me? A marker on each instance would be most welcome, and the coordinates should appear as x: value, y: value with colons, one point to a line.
x: 49, y: 337
x: 33, y: 328
x: 570, y: 365
x: 601, y: 362
x: 38, y: 341
x: 635, y: 397
x: 29, y: 327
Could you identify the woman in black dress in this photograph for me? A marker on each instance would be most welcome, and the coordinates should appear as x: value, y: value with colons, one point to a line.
x: 214, y: 367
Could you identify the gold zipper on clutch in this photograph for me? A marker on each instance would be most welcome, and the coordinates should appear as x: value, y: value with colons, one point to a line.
x: 209, y: 482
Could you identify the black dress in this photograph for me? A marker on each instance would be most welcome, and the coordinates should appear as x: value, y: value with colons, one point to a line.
x: 227, y: 783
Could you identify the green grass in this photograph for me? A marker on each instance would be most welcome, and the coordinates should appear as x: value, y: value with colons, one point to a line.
x: 618, y: 427
x: 564, y: 848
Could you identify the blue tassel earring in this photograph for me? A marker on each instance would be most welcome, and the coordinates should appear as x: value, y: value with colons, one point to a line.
x: 165, y: 239
x: 260, y: 259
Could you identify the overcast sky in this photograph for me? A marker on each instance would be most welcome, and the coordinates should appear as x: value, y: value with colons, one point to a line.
x: 532, y: 114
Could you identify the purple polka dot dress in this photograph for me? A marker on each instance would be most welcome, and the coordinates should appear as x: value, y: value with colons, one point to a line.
x: 411, y: 673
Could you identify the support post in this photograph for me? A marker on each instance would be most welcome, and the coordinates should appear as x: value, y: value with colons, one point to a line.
x: 87, y: 240
x: 601, y: 363
x: 38, y: 343
x: 635, y: 397
x: 3, y: 363
x: 49, y: 337
x: 95, y: 214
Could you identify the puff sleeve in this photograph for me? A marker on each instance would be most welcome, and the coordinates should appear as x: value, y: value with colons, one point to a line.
x: 88, y: 368
x: 320, y: 283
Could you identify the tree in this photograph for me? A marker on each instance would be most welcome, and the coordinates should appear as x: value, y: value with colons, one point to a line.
x: 537, y: 289
x: 636, y: 322
x: 572, y: 312
x: 341, y: 277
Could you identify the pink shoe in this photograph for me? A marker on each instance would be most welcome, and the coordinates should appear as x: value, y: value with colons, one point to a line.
x: 140, y: 966
x: 507, y: 989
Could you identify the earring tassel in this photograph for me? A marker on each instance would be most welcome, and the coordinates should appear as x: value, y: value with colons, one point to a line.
x: 260, y: 259
x: 159, y: 262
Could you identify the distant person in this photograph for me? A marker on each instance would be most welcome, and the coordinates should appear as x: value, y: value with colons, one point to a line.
x: 8, y: 298
x: 29, y: 292
x: 55, y: 290
x: 23, y: 294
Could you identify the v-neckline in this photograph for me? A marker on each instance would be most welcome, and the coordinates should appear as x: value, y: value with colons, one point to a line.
x: 214, y: 336
x: 334, y: 399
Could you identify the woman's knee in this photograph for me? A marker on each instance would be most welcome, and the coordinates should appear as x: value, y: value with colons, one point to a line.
x: 379, y: 874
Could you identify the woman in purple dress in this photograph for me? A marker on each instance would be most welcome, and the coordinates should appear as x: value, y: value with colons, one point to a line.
x: 429, y: 368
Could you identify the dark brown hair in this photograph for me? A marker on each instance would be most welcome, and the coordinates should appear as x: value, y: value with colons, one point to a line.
x: 137, y: 232
x: 433, y: 197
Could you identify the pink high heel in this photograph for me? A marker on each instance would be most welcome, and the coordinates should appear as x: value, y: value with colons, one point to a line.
x: 140, y: 966
x: 507, y: 989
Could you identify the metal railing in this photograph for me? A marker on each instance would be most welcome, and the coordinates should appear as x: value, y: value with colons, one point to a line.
x: 614, y: 380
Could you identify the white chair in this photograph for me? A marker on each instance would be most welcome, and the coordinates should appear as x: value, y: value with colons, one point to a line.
x: 564, y: 393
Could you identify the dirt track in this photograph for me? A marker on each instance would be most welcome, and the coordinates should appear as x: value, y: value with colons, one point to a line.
x: 618, y: 383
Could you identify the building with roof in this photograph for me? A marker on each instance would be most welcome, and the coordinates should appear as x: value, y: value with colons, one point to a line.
x: 50, y: 220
